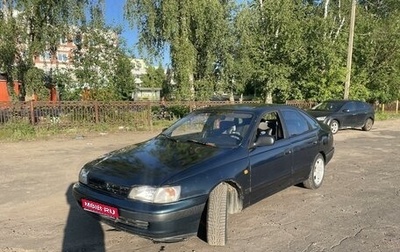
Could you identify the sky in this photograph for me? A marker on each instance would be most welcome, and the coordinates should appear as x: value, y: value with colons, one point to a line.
x: 114, y: 15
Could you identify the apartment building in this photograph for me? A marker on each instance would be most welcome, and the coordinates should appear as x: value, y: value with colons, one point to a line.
x: 61, y: 59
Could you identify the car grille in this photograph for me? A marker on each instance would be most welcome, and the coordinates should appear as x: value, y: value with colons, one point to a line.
x: 109, y: 187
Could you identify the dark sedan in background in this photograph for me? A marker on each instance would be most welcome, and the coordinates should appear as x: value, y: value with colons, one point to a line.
x: 213, y: 162
x: 343, y: 114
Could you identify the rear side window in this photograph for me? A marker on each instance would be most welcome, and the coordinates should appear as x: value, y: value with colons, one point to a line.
x: 313, y: 124
x: 296, y: 124
x: 351, y: 106
x: 363, y: 106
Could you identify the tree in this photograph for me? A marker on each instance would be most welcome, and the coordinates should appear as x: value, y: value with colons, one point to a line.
x: 271, y: 43
x: 30, y: 28
x: 320, y: 70
x: 194, y: 32
x: 154, y: 78
x: 96, y: 63
x: 122, y: 79
x: 8, y: 47
x: 377, y: 50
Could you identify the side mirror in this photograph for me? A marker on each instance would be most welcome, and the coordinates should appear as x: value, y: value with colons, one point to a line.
x: 346, y: 110
x: 265, y: 141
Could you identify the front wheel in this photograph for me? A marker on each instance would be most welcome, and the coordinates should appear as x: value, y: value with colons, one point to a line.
x: 317, y: 173
x: 368, y: 124
x: 334, y: 126
x: 217, y: 216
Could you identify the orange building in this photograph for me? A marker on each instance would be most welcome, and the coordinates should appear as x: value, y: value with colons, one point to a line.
x: 4, y: 94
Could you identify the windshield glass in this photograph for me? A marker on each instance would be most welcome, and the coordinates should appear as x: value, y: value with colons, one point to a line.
x: 211, y: 128
x: 328, y: 106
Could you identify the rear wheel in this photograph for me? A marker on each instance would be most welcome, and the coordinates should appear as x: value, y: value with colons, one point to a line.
x: 317, y: 173
x: 217, y: 216
x: 368, y: 124
x: 334, y: 126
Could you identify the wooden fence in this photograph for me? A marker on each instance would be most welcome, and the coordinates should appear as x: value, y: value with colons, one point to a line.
x: 124, y: 113
x: 81, y: 113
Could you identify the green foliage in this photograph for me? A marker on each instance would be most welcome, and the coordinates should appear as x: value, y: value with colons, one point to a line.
x: 62, y: 78
x: 14, y: 131
x: 377, y: 54
x: 197, y: 33
x: 38, y: 26
x: 35, y: 77
x: 179, y: 111
x: 273, y: 50
x: 122, y: 78
x: 154, y: 77
x: 204, y: 89
x: 8, y: 47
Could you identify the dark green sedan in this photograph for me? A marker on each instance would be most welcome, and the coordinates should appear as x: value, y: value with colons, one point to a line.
x: 213, y: 162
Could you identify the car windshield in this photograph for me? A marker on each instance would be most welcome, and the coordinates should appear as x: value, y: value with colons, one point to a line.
x: 211, y: 128
x: 328, y: 106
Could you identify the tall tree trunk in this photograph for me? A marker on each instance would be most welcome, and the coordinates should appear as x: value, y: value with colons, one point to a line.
x: 268, y: 97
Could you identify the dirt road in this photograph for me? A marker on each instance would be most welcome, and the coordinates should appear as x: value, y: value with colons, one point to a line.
x: 356, y: 209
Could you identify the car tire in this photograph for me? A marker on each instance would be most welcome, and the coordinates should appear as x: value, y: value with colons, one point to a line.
x: 217, y: 216
x: 317, y: 173
x: 368, y: 124
x: 334, y: 126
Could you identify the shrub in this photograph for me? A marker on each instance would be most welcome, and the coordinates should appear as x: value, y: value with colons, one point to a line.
x: 179, y: 111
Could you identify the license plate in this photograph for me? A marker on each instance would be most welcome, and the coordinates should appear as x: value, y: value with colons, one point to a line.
x: 99, y: 208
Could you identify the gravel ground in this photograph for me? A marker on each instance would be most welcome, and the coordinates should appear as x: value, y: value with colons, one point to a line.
x: 356, y: 209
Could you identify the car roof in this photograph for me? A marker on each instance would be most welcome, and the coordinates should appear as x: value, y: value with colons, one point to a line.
x: 256, y: 108
x: 343, y: 101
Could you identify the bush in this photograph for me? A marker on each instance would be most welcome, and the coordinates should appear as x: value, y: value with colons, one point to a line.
x: 178, y: 111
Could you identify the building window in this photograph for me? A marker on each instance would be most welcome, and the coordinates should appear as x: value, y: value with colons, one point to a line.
x: 45, y: 56
x: 62, y: 57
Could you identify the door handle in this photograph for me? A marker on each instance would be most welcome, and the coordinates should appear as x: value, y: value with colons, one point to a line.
x: 287, y: 152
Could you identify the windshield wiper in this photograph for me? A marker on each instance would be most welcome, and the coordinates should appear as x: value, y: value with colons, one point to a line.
x: 169, y: 137
x: 202, y: 143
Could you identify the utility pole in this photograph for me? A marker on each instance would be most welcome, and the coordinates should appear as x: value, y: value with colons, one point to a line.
x: 350, y: 50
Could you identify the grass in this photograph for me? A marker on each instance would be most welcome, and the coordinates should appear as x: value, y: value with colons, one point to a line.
x: 24, y: 131
x: 17, y: 131
x: 381, y: 116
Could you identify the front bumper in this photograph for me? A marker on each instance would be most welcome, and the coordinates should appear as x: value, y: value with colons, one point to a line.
x: 158, y: 222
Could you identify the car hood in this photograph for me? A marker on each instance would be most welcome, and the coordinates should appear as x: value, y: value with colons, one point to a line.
x: 149, y: 163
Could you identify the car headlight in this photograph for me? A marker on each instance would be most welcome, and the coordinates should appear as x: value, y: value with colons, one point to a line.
x: 83, y: 174
x: 155, y: 194
x: 321, y: 118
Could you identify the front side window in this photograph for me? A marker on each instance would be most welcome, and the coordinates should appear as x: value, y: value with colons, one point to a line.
x: 270, y: 125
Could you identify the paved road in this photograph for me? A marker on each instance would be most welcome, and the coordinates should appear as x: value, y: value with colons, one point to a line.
x: 356, y: 209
